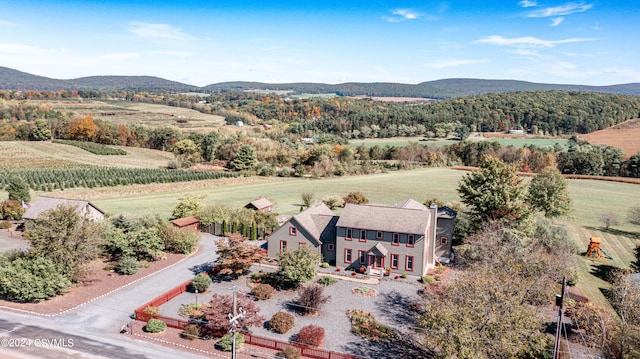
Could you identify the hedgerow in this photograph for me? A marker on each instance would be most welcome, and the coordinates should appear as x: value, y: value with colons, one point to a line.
x: 48, y: 179
x: 95, y: 148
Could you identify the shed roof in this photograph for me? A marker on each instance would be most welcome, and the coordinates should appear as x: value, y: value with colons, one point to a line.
x: 261, y: 203
x: 185, y: 221
x: 43, y: 204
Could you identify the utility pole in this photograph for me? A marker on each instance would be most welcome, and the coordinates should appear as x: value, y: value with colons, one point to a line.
x: 559, y: 303
x: 234, y: 319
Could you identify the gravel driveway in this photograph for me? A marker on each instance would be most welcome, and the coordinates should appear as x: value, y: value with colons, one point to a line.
x: 390, y: 307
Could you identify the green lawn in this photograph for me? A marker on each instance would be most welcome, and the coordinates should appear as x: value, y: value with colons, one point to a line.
x: 385, y: 188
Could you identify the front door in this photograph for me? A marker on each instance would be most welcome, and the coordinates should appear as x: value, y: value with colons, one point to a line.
x: 376, y: 262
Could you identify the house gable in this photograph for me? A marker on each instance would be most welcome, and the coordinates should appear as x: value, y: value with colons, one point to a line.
x: 44, y: 204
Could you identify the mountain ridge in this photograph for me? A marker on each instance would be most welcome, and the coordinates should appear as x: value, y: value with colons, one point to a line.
x: 11, y: 79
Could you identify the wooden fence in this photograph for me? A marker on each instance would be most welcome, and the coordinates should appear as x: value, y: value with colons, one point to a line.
x: 306, y: 351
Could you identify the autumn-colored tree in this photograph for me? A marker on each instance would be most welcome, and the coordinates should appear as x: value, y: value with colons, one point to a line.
x: 83, y: 129
x: 236, y: 255
x: 220, y: 306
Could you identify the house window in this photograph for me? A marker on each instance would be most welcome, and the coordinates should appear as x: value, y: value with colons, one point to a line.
x: 331, y: 247
x: 394, y: 261
x: 293, y: 231
x: 396, y: 239
x: 348, y: 255
x: 283, y: 246
x: 302, y: 244
x: 411, y: 240
x: 362, y: 257
x: 409, y: 264
x: 349, y: 234
x: 444, y: 240
x: 363, y: 235
x: 379, y: 235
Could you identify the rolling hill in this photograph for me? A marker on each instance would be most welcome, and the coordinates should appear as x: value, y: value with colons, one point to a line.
x: 11, y: 79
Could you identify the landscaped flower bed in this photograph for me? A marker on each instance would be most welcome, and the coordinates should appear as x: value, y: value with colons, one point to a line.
x: 365, y: 291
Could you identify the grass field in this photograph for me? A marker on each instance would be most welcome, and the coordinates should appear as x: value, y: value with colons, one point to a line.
x: 54, y: 155
x: 127, y: 112
x: 591, y: 198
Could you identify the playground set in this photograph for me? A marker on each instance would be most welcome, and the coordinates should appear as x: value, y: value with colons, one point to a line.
x: 595, y: 251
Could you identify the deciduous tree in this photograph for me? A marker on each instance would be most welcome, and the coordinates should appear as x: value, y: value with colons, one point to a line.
x: 549, y: 193
x: 236, y: 255
x: 299, y: 265
x: 189, y: 205
x: 220, y: 306
x: 66, y: 237
x: 494, y: 193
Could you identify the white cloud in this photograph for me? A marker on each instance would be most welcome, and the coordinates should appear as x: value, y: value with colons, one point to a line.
x: 400, y: 15
x: 567, y: 9
x: 157, y: 31
x: 453, y: 63
x: 556, y: 21
x: 528, y: 3
x: 7, y: 23
x: 527, y: 41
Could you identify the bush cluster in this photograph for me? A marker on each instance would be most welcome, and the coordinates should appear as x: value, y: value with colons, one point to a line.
x: 225, y: 344
x: 310, y: 335
x: 311, y: 298
x: 326, y: 280
x: 289, y: 353
x: 155, y: 326
x: 201, y: 282
x: 262, y: 291
x: 191, y: 332
x: 365, y: 325
x: 282, y: 322
x: 127, y: 265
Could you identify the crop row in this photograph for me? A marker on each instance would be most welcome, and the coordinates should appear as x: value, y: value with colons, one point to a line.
x: 54, y: 179
x: 95, y: 148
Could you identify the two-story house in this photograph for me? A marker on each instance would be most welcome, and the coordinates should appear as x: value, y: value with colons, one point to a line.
x: 406, y: 237
x: 315, y: 227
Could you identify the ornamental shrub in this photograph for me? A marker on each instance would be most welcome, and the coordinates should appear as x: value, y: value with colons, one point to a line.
x: 311, y: 298
x: 201, y: 282
x: 310, y: 335
x: 191, y: 332
x: 289, y: 353
x: 262, y: 291
x: 225, y: 344
x: 151, y: 310
x: 282, y: 322
x: 127, y: 265
x: 326, y: 280
x: 155, y: 326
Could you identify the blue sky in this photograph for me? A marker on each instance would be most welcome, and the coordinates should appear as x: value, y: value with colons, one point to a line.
x: 203, y: 42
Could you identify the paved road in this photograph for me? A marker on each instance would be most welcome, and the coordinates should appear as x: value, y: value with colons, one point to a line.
x: 93, y: 327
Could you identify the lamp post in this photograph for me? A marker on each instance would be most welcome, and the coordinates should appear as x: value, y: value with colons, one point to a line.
x: 196, y: 299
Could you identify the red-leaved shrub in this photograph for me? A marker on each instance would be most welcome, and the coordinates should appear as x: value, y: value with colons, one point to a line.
x: 310, y: 335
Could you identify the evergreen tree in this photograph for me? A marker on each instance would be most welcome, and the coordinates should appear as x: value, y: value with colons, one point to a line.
x: 18, y: 189
x: 245, y: 159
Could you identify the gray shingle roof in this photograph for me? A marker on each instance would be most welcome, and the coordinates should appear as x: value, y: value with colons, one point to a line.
x: 43, y: 204
x: 316, y: 220
x: 261, y: 203
x: 389, y: 219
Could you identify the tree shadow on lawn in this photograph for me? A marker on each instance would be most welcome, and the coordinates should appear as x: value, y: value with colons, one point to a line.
x: 381, y: 350
x: 603, y: 271
x: 616, y: 232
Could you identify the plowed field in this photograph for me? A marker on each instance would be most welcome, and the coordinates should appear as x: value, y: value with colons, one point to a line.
x: 625, y: 135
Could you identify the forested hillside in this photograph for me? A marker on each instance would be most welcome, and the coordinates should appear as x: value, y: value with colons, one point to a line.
x: 11, y: 79
x: 547, y: 112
